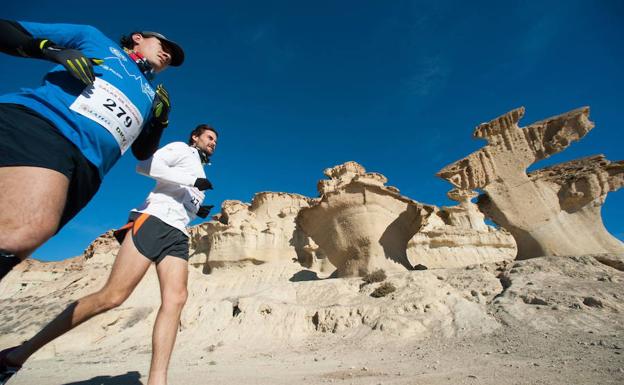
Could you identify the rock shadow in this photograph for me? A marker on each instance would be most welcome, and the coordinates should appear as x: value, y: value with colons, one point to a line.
x: 304, y: 275
x: 396, y: 236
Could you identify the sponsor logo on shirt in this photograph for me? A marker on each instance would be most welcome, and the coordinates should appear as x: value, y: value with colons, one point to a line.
x: 146, y: 88
x: 118, y: 53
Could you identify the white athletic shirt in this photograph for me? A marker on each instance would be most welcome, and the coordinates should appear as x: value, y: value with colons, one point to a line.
x: 174, y: 200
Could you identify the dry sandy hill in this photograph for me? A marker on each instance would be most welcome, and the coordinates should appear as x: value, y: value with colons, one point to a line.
x: 549, y: 320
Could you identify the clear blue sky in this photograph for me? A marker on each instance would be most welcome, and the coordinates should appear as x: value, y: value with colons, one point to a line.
x: 298, y: 86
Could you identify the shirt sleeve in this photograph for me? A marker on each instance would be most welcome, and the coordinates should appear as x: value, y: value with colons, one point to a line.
x: 65, y: 35
x: 164, y: 165
x: 147, y: 142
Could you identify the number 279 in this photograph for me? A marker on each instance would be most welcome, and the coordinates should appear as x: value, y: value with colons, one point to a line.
x: 110, y: 105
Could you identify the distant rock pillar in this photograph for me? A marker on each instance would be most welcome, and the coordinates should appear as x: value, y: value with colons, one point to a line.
x: 471, y: 217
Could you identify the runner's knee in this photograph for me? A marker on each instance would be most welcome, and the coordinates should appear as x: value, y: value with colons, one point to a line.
x: 114, y: 302
x: 175, y: 298
x: 112, y: 299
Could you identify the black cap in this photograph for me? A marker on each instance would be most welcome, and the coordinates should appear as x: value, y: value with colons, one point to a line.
x: 177, y: 54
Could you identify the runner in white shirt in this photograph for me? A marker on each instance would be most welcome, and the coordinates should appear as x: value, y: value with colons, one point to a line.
x: 175, y: 200
x: 156, y: 232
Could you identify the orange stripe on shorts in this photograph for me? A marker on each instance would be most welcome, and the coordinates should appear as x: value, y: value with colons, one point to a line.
x: 139, y: 222
x: 125, y: 227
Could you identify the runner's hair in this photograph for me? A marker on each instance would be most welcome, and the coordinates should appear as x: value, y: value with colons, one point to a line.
x: 200, y: 130
x: 126, y: 40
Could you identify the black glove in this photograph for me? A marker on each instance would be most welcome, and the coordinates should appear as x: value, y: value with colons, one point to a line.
x: 204, y: 211
x: 73, y: 60
x: 203, y: 184
x: 161, y: 106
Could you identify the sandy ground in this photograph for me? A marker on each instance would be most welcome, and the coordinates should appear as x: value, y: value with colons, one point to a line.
x: 505, y: 357
x: 550, y: 320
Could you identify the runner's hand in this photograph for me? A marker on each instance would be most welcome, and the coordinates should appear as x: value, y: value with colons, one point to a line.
x: 203, y: 184
x: 73, y: 60
x: 161, y: 106
x: 204, y: 211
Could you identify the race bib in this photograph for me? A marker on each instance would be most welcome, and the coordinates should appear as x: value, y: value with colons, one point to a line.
x: 106, y: 105
x: 192, y: 199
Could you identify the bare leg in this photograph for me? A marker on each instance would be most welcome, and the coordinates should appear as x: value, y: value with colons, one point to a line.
x: 173, y: 277
x: 31, y: 205
x: 129, y: 267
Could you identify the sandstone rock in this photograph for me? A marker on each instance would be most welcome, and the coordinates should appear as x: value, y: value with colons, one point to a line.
x: 103, y: 249
x: 259, y: 232
x: 555, y: 211
x: 361, y: 224
x: 458, y: 236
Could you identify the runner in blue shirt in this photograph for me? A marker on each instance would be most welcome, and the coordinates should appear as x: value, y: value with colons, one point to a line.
x: 60, y: 139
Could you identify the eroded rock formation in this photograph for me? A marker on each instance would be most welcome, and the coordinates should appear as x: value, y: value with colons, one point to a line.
x: 458, y: 236
x: 357, y: 225
x: 554, y: 211
x: 360, y: 223
x: 103, y: 249
x: 259, y: 232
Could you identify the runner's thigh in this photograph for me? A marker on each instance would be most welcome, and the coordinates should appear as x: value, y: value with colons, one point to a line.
x: 172, y: 274
x: 128, y: 269
x: 31, y: 203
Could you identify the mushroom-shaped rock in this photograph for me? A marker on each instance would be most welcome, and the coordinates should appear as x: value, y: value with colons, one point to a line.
x: 554, y: 211
x: 361, y: 224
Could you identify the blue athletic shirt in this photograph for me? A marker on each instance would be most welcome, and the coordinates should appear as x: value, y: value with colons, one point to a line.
x: 59, y: 90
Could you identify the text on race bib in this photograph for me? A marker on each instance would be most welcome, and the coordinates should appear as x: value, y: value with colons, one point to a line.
x: 192, y: 199
x: 106, y: 105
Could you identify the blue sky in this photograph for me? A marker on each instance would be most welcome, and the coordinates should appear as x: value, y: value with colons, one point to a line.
x: 295, y: 87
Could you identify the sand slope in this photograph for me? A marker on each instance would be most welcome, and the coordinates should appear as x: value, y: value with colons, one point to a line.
x: 549, y: 320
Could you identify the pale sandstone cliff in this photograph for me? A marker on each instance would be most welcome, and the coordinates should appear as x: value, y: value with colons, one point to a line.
x: 260, y: 232
x: 458, y: 236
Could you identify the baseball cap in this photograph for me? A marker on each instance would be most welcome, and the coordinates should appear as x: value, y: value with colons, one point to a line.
x: 177, y: 54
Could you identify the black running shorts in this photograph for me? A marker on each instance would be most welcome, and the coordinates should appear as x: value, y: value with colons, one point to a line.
x: 29, y: 139
x: 154, y: 238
